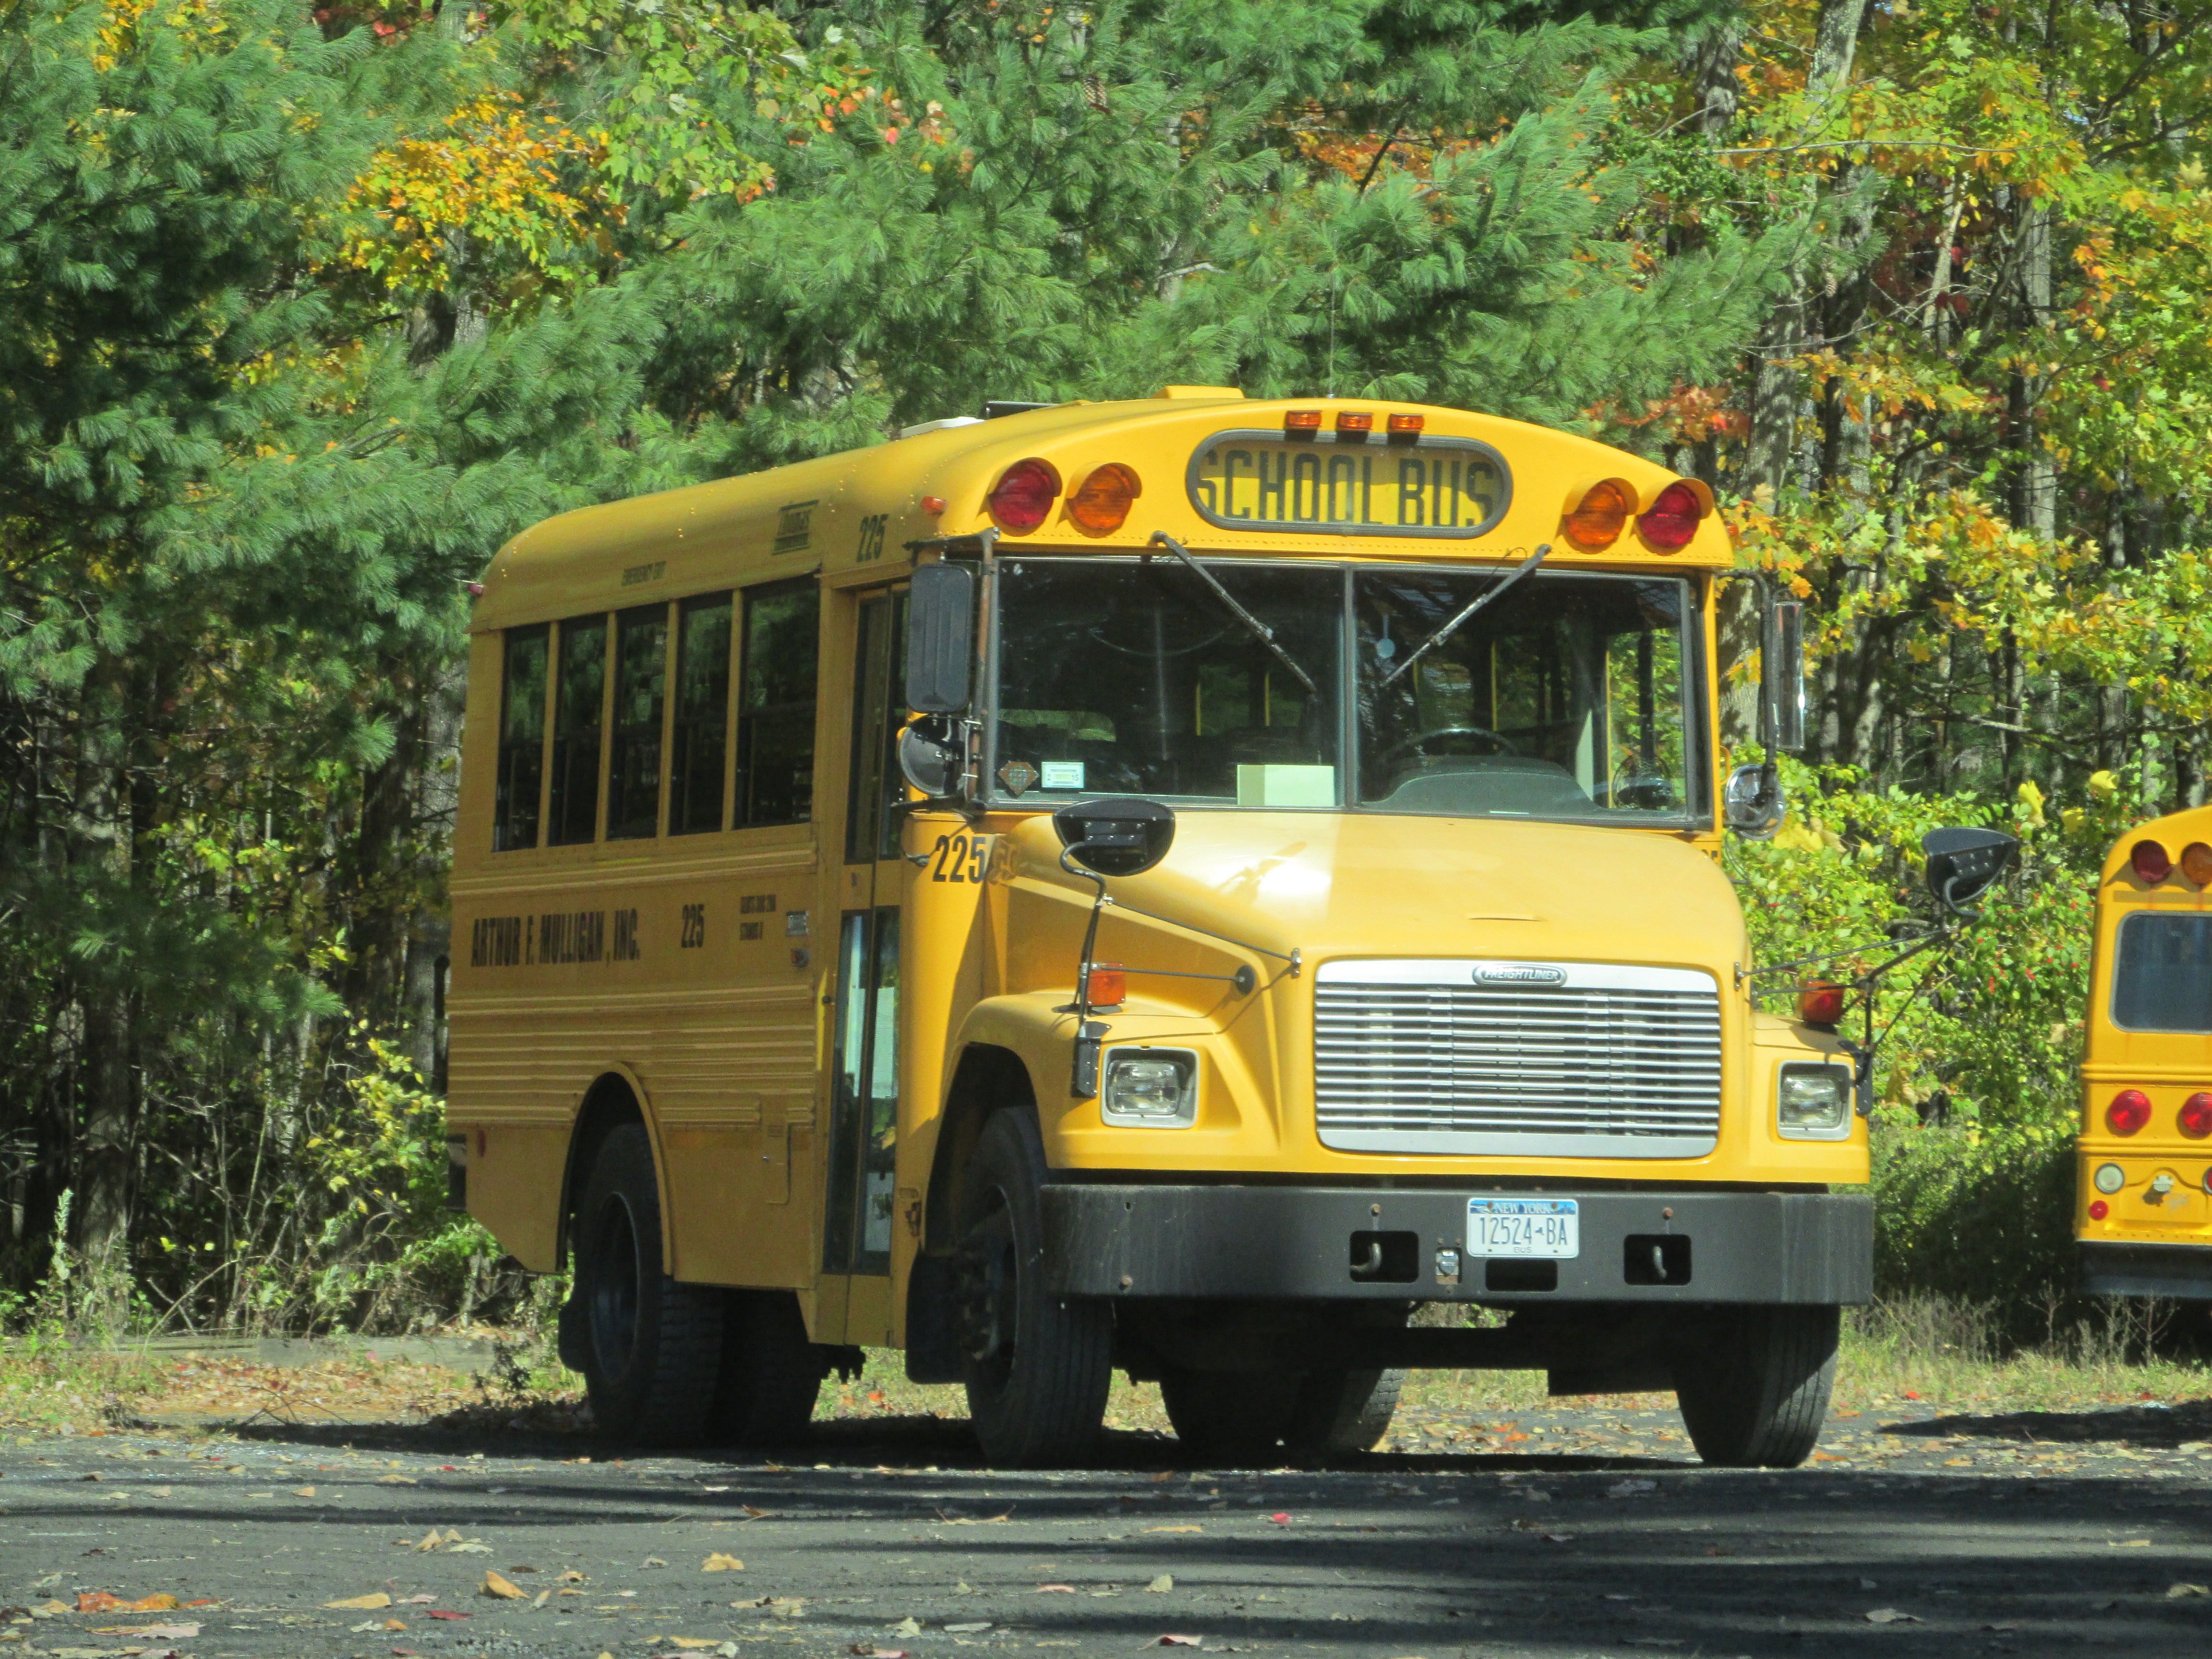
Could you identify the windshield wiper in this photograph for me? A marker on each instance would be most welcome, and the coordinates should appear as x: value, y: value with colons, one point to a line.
x: 1473, y: 605
x: 1261, y: 631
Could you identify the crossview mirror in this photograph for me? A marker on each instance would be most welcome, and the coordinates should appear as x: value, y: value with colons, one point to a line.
x: 1963, y: 863
x: 940, y: 639
x: 1753, y: 802
x: 1782, y: 677
x: 1119, y: 835
x: 930, y: 755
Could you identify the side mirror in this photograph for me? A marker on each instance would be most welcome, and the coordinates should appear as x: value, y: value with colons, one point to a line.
x: 930, y: 755
x: 940, y: 638
x: 1119, y: 835
x: 1782, y: 677
x: 1753, y: 803
x: 1963, y: 863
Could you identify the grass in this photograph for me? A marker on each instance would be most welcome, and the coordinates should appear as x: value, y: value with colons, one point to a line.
x: 1941, y: 1354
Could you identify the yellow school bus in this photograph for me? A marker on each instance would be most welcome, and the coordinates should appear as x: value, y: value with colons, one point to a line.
x: 2142, y: 1214
x: 1169, y: 885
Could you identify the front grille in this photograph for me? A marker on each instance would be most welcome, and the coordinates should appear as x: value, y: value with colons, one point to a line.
x: 1425, y: 1056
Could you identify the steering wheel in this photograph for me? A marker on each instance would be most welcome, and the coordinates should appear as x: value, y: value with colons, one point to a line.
x: 1412, y: 745
x: 1634, y: 779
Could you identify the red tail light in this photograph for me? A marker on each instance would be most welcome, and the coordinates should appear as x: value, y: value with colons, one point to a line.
x: 2195, y: 1118
x: 1673, y: 519
x: 2129, y: 1112
x: 1821, y: 1003
x: 2099, y: 1210
x: 2151, y: 862
x: 1023, y: 497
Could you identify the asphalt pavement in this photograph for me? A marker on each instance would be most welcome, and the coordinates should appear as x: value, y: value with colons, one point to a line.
x: 1588, y: 1531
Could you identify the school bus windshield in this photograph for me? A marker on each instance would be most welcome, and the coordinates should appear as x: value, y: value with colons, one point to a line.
x: 1565, y: 698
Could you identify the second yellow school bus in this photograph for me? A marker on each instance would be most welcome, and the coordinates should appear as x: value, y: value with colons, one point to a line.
x: 1170, y: 884
x: 2143, y: 1196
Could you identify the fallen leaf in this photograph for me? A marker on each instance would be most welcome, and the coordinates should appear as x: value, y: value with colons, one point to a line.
x: 757, y: 1515
x: 1163, y: 1584
x: 303, y: 1491
x: 1281, y: 1517
x: 1174, y: 1528
x: 1180, y: 1642
x: 474, y: 1546
x: 1559, y: 1538
x: 1629, y: 1488
x: 1062, y: 1589
x: 2175, y: 1592
x: 48, y: 1609
x: 439, y: 1613
x: 653, y: 1561
x: 572, y: 1576
x: 397, y: 1480
x: 395, y: 1624
x: 693, y: 1641
x: 719, y: 1562
x: 543, y: 1597
x: 969, y: 1629
x: 428, y: 1542
x: 1892, y: 1616
x: 868, y: 1652
x: 167, y: 1632
x: 416, y: 1600
x: 2134, y: 1543
x: 506, y: 1590
x: 908, y: 1626
x: 375, y: 1599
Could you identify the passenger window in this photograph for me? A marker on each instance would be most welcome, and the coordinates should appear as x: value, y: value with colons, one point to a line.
x: 521, y: 739
x: 702, y: 715
x: 579, y: 686
x: 640, y: 689
x: 775, y: 715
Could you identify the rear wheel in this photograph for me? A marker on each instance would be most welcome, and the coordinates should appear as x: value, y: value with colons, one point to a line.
x: 1236, y: 1416
x: 651, y: 1347
x: 1036, y: 1366
x: 770, y: 1373
x: 1756, y: 1393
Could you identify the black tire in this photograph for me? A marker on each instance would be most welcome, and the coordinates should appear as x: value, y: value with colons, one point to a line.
x: 651, y: 1347
x: 1244, y: 1416
x: 1757, y: 1394
x: 1230, y: 1417
x: 770, y: 1373
x: 1345, y: 1411
x: 1036, y: 1366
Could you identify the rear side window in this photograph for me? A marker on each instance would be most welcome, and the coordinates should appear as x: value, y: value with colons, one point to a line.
x: 2163, y: 972
x: 702, y: 715
x: 579, y: 692
x: 641, y: 684
x: 521, y: 739
x: 775, y: 709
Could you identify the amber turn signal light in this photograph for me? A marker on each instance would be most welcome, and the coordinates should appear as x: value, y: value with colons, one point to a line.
x: 1597, y: 519
x: 1101, y: 501
x: 2196, y: 863
x: 1354, y: 420
x: 1302, y: 420
x: 1405, y: 426
x: 1820, y: 1002
x: 1110, y: 987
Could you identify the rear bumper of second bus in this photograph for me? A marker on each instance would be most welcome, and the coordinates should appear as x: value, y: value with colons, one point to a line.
x: 2183, y: 1272
x: 1268, y: 1242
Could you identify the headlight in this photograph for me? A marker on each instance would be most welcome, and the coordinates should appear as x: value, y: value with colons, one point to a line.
x: 1151, y: 1088
x: 1813, y: 1102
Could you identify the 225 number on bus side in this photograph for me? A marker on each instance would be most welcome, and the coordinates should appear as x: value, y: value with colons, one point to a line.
x: 959, y: 857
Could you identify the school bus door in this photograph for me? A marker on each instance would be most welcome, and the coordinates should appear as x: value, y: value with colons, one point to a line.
x: 854, y: 1298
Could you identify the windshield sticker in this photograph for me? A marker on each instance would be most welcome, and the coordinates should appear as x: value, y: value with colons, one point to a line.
x: 1018, y: 776
x: 1063, y: 775
x: 1436, y: 487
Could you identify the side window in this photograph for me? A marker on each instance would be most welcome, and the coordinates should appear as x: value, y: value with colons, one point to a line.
x: 775, y: 706
x: 521, y: 739
x: 701, y: 763
x: 579, y: 686
x: 641, y: 693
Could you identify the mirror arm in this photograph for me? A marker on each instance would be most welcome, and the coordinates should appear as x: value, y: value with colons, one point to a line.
x: 1089, y: 1034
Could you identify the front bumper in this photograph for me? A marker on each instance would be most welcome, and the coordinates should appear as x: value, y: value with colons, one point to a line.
x: 2180, y: 1271
x: 1298, y: 1242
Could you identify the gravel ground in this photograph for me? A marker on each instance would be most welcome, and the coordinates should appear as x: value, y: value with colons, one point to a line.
x: 1548, y: 1532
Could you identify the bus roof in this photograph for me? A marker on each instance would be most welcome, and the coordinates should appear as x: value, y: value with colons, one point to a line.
x: 1215, y: 471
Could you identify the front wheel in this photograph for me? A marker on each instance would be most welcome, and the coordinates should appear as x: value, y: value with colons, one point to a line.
x: 1755, y: 1394
x: 1036, y: 1366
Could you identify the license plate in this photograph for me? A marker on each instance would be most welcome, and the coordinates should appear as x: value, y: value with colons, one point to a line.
x: 1523, y: 1226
